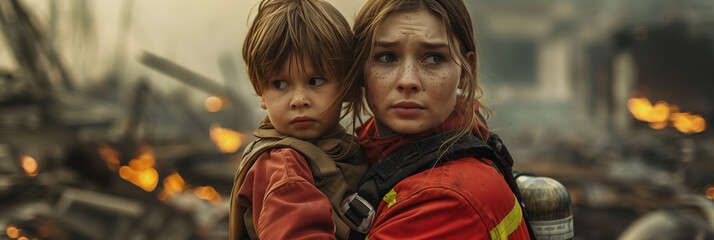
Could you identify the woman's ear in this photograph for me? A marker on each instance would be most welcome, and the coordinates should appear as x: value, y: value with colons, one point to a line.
x: 471, y: 57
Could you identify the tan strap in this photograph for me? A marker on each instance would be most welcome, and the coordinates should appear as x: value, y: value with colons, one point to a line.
x: 235, y: 217
x: 320, y: 164
x: 335, y: 160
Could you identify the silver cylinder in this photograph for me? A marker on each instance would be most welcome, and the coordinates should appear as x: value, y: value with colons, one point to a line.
x: 548, y: 207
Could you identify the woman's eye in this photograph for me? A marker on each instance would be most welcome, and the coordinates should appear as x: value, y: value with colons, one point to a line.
x: 280, y: 84
x: 434, y: 59
x: 386, y: 58
x: 317, y: 81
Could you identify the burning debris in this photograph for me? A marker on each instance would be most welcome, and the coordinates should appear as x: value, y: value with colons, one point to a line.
x: 76, y: 165
x: 83, y: 163
x: 227, y: 141
x: 663, y: 114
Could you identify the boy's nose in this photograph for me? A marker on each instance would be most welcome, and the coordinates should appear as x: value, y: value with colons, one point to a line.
x: 408, y: 79
x: 299, y: 100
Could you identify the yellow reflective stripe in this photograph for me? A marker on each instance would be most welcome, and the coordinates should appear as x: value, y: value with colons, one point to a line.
x: 509, y: 223
x: 390, y: 197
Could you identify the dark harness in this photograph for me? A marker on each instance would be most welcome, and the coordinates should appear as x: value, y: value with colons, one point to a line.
x: 359, y: 209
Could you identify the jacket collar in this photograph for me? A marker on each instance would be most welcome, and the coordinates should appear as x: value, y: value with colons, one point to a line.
x: 267, y: 130
x: 375, y: 147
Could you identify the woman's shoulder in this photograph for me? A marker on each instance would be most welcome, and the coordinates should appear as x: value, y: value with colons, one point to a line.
x: 467, y: 178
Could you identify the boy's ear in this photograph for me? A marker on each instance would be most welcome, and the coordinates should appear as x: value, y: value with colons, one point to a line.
x: 262, y: 103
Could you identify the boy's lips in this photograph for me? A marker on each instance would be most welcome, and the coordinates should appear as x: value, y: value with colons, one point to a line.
x: 303, y: 122
x: 407, y: 108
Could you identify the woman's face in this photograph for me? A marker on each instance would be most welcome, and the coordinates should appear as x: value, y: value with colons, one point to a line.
x: 411, y: 77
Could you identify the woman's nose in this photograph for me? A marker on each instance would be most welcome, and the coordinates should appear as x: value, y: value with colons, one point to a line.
x: 409, y: 79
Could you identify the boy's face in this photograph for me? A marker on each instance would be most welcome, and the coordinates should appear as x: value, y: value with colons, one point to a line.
x: 299, y: 102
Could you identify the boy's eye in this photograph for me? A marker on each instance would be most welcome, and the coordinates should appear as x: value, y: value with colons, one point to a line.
x: 317, y: 81
x: 386, y: 58
x: 434, y: 59
x: 280, y: 84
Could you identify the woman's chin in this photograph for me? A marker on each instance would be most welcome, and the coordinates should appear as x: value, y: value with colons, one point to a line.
x: 407, y: 127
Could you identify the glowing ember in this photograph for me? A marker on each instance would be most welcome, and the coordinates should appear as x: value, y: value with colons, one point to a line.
x: 658, y: 125
x: 213, y: 104
x: 126, y: 172
x: 640, y: 108
x: 174, y: 184
x: 23, y: 238
x: 12, y: 231
x: 141, y: 170
x: 147, y: 179
x: 660, y: 112
x: 227, y: 140
x: 208, y: 193
x: 109, y: 155
x: 709, y: 192
x: 29, y: 165
x: 688, y: 123
x: 643, y: 110
x: 163, y: 196
x: 662, y: 115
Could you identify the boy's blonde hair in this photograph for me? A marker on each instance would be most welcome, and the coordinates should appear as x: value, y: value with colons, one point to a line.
x: 293, y: 30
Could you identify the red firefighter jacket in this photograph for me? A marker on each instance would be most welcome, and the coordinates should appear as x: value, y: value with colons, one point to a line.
x: 461, y: 199
x: 284, y: 200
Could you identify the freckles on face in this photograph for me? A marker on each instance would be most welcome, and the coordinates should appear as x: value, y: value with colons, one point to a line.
x: 299, y: 101
x: 411, y: 78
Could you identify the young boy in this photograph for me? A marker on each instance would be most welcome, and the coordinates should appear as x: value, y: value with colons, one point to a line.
x: 292, y: 178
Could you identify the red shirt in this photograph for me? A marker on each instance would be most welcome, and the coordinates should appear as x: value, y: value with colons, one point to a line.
x: 281, y: 192
x: 462, y: 199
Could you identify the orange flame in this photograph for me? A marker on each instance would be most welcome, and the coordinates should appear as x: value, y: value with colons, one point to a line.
x: 643, y: 110
x: 688, y: 123
x: 29, y: 165
x: 213, y: 104
x: 709, y: 192
x: 12, y: 231
x: 227, y: 140
x: 109, y: 155
x: 658, y: 125
x: 662, y: 114
x: 208, y: 193
x: 174, y: 184
x: 141, y: 170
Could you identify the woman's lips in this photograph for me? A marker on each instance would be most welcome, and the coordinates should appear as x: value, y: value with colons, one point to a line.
x: 407, y: 109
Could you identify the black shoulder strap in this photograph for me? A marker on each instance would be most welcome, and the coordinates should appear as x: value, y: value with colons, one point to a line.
x: 358, y: 210
x: 504, y: 161
x: 418, y: 156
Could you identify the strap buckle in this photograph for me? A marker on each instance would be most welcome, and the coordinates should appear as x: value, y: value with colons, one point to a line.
x: 357, y: 213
